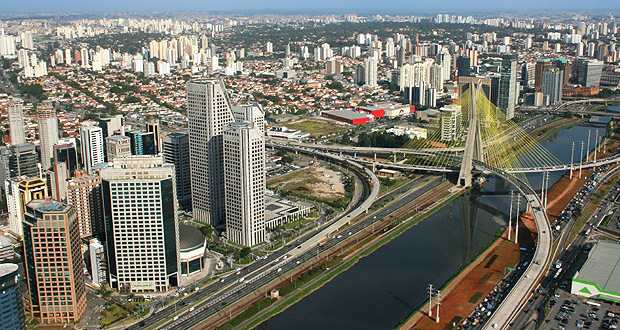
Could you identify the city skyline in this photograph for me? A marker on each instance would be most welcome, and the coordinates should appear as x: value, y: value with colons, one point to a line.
x: 402, y: 7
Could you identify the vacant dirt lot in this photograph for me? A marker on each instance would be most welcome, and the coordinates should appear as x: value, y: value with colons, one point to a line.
x: 319, y: 183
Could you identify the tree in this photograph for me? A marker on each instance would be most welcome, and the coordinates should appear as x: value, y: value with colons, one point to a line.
x: 569, y: 114
x: 207, y: 230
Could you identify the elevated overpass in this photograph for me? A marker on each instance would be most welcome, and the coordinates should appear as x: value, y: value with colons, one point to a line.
x: 339, y: 150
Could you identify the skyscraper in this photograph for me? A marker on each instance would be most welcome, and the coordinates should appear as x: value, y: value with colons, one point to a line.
x: 463, y: 65
x: 252, y: 113
x: 16, y: 121
x: 370, y: 72
x: 84, y: 195
x: 175, y: 149
x: 18, y: 160
x: 153, y: 127
x: 589, y: 72
x: 142, y: 233
x: 19, y: 192
x: 552, y: 81
x: 209, y: 112
x: 508, y: 85
x: 244, y: 170
x: 57, y: 294
x: 91, y: 139
x: 65, y: 151
x: 11, y: 306
x: 48, y: 131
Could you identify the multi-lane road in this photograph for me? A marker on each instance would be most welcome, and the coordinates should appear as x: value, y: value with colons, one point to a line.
x: 231, y: 288
x: 250, y: 286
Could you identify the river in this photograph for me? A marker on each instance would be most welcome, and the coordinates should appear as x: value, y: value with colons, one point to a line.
x: 384, y: 288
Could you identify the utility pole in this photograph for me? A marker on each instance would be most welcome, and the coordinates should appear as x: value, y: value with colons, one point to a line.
x: 596, y: 144
x: 547, y: 191
x: 588, y: 150
x: 430, y: 300
x: 517, y: 221
x: 581, y: 159
x: 438, y: 303
x: 542, y: 188
x: 572, y: 153
x: 510, y: 216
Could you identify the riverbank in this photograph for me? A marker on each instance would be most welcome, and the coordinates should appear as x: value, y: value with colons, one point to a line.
x: 473, y: 284
x: 443, y: 194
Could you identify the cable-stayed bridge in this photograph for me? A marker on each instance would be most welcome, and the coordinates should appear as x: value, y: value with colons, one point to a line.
x: 475, y: 135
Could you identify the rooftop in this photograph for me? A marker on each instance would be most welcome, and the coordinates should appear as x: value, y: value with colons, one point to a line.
x: 347, y: 114
x: 190, y: 237
x: 48, y: 205
x: 6, y: 269
x: 603, y: 266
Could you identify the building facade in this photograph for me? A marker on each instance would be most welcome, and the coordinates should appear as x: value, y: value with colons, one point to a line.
x: 18, y: 160
x: 48, y: 131
x: 552, y: 82
x: 117, y: 146
x: 209, y: 113
x: 11, y: 305
x: 175, y: 149
x: 51, y: 237
x: 19, y: 192
x: 244, y: 170
x: 84, y: 195
x: 16, y: 121
x: 508, y: 85
x: 142, y: 234
x: 91, y: 139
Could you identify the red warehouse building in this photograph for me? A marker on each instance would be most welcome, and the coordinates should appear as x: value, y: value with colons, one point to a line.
x: 347, y: 116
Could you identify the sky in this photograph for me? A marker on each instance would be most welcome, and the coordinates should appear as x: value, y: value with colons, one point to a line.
x: 405, y: 7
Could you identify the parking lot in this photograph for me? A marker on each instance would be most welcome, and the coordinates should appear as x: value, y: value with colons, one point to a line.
x: 573, y: 312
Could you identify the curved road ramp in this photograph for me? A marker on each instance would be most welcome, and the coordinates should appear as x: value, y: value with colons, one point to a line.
x: 518, y: 296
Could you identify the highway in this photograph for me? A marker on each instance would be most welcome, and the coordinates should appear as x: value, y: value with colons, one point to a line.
x: 543, y: 254
x: 252, y: 284
x: 230, y: 284
x: 566, y: 257
x: 339, y: 149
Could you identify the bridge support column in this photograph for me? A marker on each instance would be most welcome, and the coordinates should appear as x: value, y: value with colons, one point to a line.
x: 355, y: 154
x: 394, y: 156
x: 473, y: 144
x: 374, y: 155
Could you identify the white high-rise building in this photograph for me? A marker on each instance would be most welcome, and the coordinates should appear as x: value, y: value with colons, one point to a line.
x: 251, y: 113
x: 16, y: 122
x: 244, y: 179
x: 27, y: 40
x: 91, y: 141
x: 451, y: 122
x: 269, y: 47
x: 48, y: 131
x: 370, y: 72
x: 7, y: 44
x: 143, y: 230
x: 390, y: 49
x: 209, y: 112
x: 552, y: 81
x: 436, y: 77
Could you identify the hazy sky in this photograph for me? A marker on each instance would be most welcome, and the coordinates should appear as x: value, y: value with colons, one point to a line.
x: 315, y: 6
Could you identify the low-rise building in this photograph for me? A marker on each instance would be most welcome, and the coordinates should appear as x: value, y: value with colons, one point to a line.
x: 600, y: 275
x: 348, y: 116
